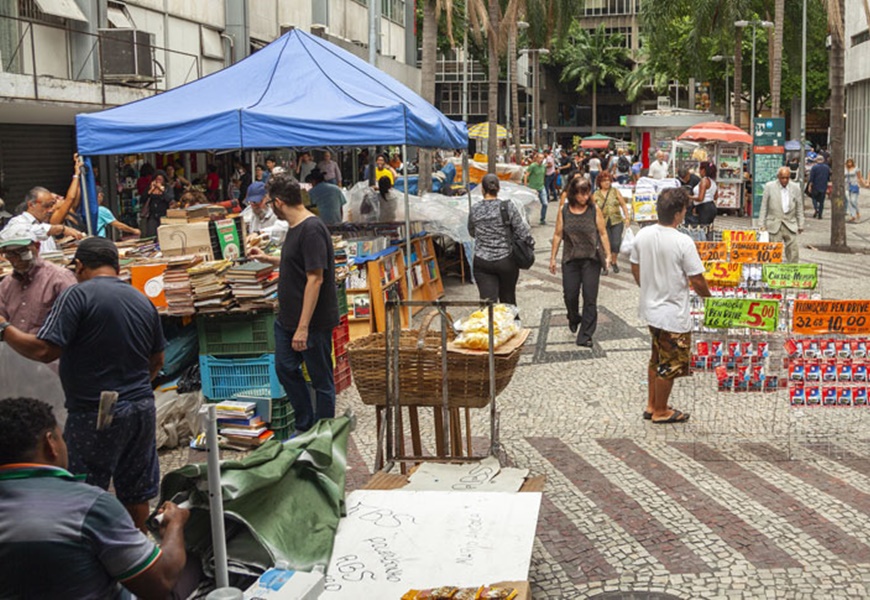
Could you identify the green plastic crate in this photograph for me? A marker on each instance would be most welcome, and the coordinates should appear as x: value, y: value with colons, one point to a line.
x: 236, y: 334
x: 341, y: 292
x: 284, y: 433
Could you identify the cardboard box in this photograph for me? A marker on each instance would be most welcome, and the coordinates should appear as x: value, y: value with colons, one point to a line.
x: 188, y: 238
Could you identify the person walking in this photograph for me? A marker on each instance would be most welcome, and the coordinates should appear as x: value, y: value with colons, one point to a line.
x: 853, y: 182
x: 581, y: 224
x: 594, y: 165
x: 616, y: 215
x: 702, y: 211
x: 327, y: 197
x: 664, y: 263
x: 329, y: 168
x: 109, y: 339
x: 535, y: 178
x: 782, y: 213
x: 817, y: 186
x: 495, y: 270
x: 307, y: 304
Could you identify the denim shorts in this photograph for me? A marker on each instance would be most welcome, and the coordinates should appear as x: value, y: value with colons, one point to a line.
x: 124, y: 453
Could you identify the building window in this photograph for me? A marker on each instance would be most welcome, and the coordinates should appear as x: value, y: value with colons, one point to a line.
x: 594, y: 8
x: 860, y: 38
x: 394, y: 10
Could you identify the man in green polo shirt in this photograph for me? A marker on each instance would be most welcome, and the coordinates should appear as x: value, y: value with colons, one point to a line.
x: 63, y: 538
x: 534, y: 177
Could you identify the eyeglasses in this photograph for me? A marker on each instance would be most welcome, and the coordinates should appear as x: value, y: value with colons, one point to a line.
x: 18, y: 251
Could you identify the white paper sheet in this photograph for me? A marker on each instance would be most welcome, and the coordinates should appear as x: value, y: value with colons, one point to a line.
x: 483, y: 476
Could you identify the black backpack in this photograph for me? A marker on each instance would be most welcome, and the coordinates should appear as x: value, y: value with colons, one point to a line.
x: 623, y: 165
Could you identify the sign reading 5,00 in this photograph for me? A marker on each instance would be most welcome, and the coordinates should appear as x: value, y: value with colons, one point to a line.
x: 732, y: 313
x: 851, y: 317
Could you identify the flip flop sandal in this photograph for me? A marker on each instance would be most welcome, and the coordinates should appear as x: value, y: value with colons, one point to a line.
x: 676, y: 417
x: 648, y: 415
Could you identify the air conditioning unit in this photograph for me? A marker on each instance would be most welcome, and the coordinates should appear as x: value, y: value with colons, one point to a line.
x: 127, y: 55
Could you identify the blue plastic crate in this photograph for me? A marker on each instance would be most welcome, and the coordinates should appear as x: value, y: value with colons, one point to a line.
x: 223, y: 378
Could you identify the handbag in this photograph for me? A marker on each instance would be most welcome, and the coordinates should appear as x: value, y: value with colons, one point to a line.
x: 854, y: 189
x: 522, y: 250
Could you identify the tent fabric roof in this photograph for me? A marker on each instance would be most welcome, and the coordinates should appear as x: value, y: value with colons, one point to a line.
x: 299, y: 91
x: 594, y: 144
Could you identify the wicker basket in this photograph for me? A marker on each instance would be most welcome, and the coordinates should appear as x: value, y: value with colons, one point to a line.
x: 420, y: 370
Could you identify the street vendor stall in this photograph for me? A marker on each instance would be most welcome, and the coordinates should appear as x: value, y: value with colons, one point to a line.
x: 723, y: 145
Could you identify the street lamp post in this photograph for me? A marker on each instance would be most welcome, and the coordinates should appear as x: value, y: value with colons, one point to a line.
x: 536, y: 83
x: 726, y: 60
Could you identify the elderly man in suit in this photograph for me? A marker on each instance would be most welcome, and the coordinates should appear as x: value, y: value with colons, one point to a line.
x: 782, y: 212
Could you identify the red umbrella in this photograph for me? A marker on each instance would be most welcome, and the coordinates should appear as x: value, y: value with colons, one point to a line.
x: 715, y: 131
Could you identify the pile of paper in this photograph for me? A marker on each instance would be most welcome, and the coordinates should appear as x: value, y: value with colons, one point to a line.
x: 176, y: 284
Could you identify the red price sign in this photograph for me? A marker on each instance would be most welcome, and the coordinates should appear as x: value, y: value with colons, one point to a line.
x: 850, y: 317
x: 738, y: 235
x: 717, y: 251
x: 756, y: 252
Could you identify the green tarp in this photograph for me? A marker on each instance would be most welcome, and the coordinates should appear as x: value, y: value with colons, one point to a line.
x: 281, y: 502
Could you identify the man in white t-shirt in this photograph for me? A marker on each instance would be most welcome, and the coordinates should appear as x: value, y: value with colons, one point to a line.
x: 659, y: 167
x: 665, y: 263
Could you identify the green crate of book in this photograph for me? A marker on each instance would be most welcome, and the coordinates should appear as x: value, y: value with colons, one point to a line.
x: 283, y: 433
x: 236, y: 334
x: 281, y: 409
x: 283, y: 422
x: 342, y: 299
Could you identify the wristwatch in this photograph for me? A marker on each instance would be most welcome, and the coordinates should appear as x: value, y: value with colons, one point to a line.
x: 3, y: 327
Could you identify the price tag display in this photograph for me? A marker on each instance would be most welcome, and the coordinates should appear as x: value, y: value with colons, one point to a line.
x: 756, y: 252
x: 803, y: 276
x: 850, y: 317
x: 708, y: 251
x: 723, y: 274
x: 739, y: 235
x: 731, y: 313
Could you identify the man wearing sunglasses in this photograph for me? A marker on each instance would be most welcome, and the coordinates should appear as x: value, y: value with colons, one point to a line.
x: 27, y: 295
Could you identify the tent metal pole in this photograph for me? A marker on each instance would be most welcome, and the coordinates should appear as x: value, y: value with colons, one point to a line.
x: 408, y: 230
x: 83, y: 188
x: 215, y: 499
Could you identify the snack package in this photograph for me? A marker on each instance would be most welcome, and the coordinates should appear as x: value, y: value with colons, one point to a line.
x: 844, y: 349
x: 702, y: 348
x: 734, y: 349
x: 496, y: 593
x: 798, y: 396
x: 844, y: 371
x: 814, y: 395
x: 829, y: 395
x: 796, y: 371
x: 859, y: 349
x: 813, y: 370
x: 475, y: 329
x: 829, y: 348
x: 844, y: 396
x: 859, y: 396
x: 747, y: 349
x: 763, y: 349
x: 717, y: 347
x: 859, y: 371
x: 829, y: 371
x: 812, y: 349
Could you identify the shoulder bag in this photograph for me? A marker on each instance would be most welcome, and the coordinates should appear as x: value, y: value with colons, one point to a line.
x: 523, y: 251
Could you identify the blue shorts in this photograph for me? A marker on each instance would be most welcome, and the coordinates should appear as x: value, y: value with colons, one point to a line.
x: 125, y: 453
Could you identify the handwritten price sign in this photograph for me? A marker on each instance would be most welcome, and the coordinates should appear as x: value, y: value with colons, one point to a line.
x: 732, y: 313
x: 738, y: 235
x: 850, y: 317
x: 717, y: 251
x: 756, y: 252
x: 797, y: 276
x: 723, y: 274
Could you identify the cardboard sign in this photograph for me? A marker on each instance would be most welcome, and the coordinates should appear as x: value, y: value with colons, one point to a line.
x: 228, y: 238
x: 850, y: 317
x: 187, y: 238
x: 644, y: 207
x: 798, y: 276
x: 723, y: 274
x: 756, y: 252
x: 712, y: 251
x: 732, y: 313
x: 739, y: 235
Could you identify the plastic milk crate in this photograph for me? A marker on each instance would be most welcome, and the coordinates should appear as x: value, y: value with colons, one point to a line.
x: 235, y: 335
x: 222, y: 378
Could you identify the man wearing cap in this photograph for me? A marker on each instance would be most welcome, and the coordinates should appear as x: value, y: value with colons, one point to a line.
x: 29, y: 292
x: 258, y: 215
x: 109, y: 340
x: 327, y: 197
x: 817, y: 185
x: 40, y: 205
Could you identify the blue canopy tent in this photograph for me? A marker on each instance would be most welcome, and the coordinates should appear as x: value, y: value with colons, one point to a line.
x: 299, y: 91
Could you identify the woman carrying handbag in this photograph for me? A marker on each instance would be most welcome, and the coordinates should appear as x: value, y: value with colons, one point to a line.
x: 616, y: 215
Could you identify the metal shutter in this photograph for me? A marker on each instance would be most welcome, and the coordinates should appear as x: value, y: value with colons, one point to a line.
x: 34, y: 155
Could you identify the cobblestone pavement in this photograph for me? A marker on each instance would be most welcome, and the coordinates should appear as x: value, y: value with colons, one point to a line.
x: 750, y: 499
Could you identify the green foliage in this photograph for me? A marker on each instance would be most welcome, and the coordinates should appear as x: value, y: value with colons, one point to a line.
x: 590, y: 58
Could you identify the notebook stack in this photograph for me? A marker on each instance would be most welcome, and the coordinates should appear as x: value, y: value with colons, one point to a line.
x: 211, y: 294
x: 240, y: 425
x: 176, y: 284
x: 254, y: 285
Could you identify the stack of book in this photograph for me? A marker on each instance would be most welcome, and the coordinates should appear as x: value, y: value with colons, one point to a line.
x: 211, y: 294
x: 191, y: 214
x: 176, y: 284
x: 240, y: 425
x: 254, y: 285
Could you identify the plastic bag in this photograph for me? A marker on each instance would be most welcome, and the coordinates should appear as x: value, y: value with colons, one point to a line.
x: 475, y: 329
x: 24, y: 378
x: 627, y: 242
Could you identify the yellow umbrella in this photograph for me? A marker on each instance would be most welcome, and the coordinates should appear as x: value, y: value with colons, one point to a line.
x: 481, y: 131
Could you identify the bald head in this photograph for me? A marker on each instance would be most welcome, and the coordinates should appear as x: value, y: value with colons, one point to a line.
x: 783, y: 175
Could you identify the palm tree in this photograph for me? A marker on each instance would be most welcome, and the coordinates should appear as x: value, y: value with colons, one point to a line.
x: 837, y: 27
x: 494, y: 70
x: 645, y: 75
x: 592, y: 59
x: 776, y: 63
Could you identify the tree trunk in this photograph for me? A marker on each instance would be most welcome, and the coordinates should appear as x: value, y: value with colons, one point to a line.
x: 513, y: 65
x: 492, y: 113
x: 738, y: 77
x: 776, y: 80
x: 430, y: 49
x: 838, y: 131
x: 594, y: 107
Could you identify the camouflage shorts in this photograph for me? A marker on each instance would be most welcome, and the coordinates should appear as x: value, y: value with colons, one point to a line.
x: 671, y: 353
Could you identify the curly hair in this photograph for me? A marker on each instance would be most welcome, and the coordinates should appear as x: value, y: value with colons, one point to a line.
x: 22, y: 422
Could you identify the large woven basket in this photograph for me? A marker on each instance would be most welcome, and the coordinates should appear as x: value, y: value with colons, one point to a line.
x: 420, y: 370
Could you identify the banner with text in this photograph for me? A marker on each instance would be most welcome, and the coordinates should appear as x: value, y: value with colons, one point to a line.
x: 850, y: 317
x: 756, y: 252
x: 739, y: 235
x: 734, y: 313
x: 803, y: 276
x: 708, y: 251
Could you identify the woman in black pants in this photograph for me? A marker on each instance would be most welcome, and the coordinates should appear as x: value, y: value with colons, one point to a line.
x: 495, y: 271
x: 581, y: 224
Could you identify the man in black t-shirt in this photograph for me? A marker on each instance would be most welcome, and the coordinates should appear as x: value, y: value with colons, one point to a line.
x: 307, y: 304
x: 108, y: 337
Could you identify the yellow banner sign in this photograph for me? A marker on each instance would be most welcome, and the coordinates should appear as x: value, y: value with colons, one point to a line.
x: 723, y: 274
x: 756, y: 252
x: 850, y: 317
x: 738, y: 235
x: 717, y: 251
